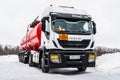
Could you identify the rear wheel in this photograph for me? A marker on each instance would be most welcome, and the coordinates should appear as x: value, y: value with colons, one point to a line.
x: 82, y: 69
x: 25, y: 60
x: 25, y: 57
x: 19, y: 57
x: 31, y: 64
x: 44, y: 64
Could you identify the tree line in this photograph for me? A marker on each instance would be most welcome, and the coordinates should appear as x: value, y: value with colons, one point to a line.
x: 104, y: 50
x: 9, y: 50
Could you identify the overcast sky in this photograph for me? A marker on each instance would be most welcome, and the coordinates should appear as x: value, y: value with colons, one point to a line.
x: 15, y: 15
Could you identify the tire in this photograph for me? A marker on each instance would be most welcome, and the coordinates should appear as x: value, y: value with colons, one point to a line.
x: 40, y: 61
x: 19, y: 58
x: 45, y: 68
x: 30, y: 62
x: 25, y: 60
x: 82, y: 69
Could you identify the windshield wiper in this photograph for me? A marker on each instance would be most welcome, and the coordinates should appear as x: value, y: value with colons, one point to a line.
x: 64, y: 31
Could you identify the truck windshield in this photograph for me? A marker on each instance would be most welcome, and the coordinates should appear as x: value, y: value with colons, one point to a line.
x: 74, y: 27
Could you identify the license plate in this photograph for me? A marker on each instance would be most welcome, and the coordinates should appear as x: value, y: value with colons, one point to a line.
x: 74, y: 56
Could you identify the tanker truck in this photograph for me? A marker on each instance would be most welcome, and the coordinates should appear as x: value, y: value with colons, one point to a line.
x: 62, y: 38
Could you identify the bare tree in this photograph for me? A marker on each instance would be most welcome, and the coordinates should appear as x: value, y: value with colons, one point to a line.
x: 9, y: 50
x: 103, y: 50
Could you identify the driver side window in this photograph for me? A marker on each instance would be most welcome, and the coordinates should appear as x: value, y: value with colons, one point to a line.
x: 47, y: 29
x: 47, y: 26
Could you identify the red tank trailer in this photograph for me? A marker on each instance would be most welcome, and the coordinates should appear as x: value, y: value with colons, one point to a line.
x: 32, y: 40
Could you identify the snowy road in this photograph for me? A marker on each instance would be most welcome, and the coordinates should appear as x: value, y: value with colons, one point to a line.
x: 11, y: 69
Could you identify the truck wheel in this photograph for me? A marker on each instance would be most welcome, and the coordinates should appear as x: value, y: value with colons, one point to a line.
x: 31, y: 64
x: 19, y: 57
x: 82, y: 69
x: 45, y: 68
x: 25, y: 60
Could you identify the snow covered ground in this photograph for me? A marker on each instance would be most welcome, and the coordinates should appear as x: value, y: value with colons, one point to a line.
x: 107, y: 68
x: 108, y: 62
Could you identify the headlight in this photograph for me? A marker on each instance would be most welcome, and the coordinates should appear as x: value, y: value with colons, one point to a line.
x: 55, y: 58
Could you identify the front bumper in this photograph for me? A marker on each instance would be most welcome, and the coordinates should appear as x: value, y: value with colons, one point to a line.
x: 66, y: 62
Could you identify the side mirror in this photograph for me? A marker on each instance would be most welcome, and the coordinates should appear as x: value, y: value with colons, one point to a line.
x: 45, y: 18
x: 43, y: 23
x: 94, y: 27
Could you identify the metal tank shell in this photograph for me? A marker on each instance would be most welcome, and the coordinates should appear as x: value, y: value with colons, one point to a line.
x: 32, y: 40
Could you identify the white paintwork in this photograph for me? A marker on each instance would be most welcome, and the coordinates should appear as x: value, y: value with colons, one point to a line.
x: 63, y: 10
x: 54, y: 36
x: 35, y: 57
x: 74, y: 38
x: 82, y: 37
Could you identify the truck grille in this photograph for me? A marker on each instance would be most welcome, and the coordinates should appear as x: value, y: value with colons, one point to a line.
x: 74, y: 44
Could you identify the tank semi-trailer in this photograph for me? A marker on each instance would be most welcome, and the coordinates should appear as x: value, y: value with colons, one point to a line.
x: 62, y: 38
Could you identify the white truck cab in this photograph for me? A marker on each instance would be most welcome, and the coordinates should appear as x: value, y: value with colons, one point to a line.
x: 67, y: 28
x: 68, y: 38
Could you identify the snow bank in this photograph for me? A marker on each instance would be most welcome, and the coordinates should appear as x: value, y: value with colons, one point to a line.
x: 8, y: 58
x: 108, y: 62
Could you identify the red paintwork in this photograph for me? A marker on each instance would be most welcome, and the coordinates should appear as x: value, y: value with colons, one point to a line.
x: 33, y: 39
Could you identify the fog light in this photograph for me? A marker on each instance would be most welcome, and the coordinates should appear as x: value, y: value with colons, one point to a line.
x: 55, y: 58
x: 92, y: 57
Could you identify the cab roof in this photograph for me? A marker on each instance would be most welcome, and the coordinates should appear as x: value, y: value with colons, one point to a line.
x: 63, y: 9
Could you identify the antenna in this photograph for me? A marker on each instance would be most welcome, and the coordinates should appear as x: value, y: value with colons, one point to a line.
x: 36, y: 18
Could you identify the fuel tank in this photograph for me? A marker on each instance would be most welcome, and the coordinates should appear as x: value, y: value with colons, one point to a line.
x: 32, y: 40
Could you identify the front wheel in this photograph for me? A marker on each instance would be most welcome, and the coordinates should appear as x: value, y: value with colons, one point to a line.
x: 44, y: 65
x: 82, y: 69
